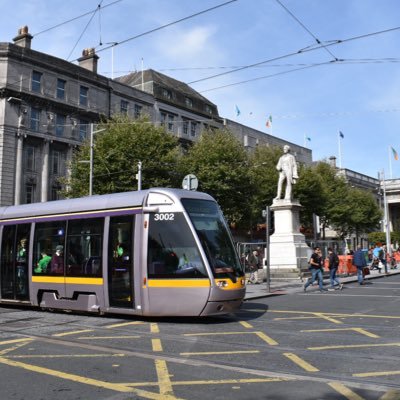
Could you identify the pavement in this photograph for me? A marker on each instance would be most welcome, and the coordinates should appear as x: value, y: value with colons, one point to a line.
x: 278, y: 287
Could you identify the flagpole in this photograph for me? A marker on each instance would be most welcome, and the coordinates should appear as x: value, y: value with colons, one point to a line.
x: 390, y: 163
x: 340, y: 151
x: 305, y: 143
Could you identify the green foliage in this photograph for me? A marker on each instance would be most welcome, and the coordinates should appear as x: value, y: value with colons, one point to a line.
x: 117, y: 151
x: 243, y: 183
x: 220, y: 163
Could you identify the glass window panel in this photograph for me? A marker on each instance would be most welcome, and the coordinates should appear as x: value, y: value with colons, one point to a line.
x: 48, y: 248
x: 172, y: 250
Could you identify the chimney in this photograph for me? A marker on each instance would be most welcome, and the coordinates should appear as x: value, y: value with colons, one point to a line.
x: 89, y: 60
x: 332, y: 161
x: 23, y: 39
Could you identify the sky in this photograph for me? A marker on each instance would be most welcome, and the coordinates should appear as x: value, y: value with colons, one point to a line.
x: 317, y: 67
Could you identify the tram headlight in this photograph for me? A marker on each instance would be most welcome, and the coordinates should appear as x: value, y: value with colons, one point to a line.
x: 222, y: 284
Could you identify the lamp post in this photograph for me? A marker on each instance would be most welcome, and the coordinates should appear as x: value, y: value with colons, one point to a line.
x: 112, y: 57
x: 386, y: 218
x: 92, y: 132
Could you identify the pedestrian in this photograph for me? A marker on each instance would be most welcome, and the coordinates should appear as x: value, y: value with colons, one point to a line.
x: 316, y: 270
x: 377, y: 254
x: 254, y: 263
x: 360, y: 262
x: 333, y: 265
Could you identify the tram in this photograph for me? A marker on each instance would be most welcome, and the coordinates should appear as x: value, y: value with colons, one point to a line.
x: 155, y: 252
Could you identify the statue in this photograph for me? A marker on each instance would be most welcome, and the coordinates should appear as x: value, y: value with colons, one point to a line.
x: 287, y: 168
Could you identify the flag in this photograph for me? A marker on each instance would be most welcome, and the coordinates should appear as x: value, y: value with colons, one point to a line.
x: 341, y: 135
x: 308, y: 138
x: 269, y: 122
x: 395, y: 155
x: 237, y: 110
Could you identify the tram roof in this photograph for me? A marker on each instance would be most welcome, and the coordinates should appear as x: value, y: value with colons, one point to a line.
x: 96, y: 202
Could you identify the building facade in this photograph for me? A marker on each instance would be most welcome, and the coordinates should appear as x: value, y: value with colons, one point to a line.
x: 48, y: 106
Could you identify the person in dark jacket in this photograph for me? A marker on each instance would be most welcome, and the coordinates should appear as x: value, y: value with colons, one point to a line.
x: 360, y: 262
x: 316, y: 270
x: 333, y: 265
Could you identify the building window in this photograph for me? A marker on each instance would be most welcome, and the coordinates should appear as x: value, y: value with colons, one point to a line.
x: 30, y: 158
x: 83, y: 129
x: 163, y: 118
x: 170, y: 123
x: 35, y: 119
x: 166, y: 93
x: 208, y: 109
x: 61, y: 89
x: 83, y: 96
x: 29, y: 193
x: 36, y: 81
x: 60, y: 124
x: 185, y: 127
x: 124, y: 107
x: 193, y: 129
x: 138, y: 111
x: 188, y: 102
x: 55, y: 190
x: 56, y: 161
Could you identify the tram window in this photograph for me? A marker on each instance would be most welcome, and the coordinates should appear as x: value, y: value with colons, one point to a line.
x: 48, y: 248
x: 172, y: 250
x: 84, y: 247
x: 214, y: 236
x: 14, y: 261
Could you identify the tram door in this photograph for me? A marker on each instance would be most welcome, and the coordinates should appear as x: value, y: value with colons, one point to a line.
x: 14, y: 262
x: 120, y: 261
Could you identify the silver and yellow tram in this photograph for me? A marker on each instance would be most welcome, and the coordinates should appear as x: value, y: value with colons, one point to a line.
x: 156, y: 252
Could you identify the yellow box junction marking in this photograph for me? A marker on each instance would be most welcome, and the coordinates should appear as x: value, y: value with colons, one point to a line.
x: 164, y: 380
x: 108, y: 337
x: 65, y: 355
x: 380, y: 373
x: 245, y: 324
x: 359, y: 330
x: 345, y: 391
x: 156, y: 345
x: 206, y: 353
x: 261, y: 335
x: 11, y: 341
x: 72, y: 333
x: 17, y: 345
x: 154, y: 328
x: 353, y: 346
x: 87, y: 381
x: 124, y: 324
x: 300, y: 362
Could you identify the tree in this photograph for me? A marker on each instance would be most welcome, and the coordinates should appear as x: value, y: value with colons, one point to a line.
x: 117, y: 151
x: 219, y: 161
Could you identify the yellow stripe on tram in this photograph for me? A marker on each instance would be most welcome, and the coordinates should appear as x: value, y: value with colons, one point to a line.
x: 67, y: 280
x: 178, y: 283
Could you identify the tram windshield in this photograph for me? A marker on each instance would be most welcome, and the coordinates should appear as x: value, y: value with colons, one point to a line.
x: 214, y: 236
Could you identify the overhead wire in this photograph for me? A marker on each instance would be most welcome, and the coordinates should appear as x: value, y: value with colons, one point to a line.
x: 75, y: 18
x: 167, y: 25
x: 306, y: 29
x: 301, y: 51
x: 84, y: 30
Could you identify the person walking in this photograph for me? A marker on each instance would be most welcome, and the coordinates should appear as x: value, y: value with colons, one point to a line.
x: 316, y: 270
x: 333, y: 265
x: 360, y: 262
x: 254, y: 264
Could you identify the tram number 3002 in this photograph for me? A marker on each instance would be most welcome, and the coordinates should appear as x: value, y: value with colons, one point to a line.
x: 164, y: 217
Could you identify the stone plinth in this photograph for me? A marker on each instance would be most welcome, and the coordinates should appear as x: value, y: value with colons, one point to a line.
x: 288, y: 248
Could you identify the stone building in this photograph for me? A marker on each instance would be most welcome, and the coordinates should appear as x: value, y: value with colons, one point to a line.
x: 48, y: 107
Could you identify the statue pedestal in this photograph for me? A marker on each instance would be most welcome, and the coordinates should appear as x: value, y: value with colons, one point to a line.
x: 288, y: 249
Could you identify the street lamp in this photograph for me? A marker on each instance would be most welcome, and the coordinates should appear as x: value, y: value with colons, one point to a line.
x: 386, y: 217
x: 92, y: 132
